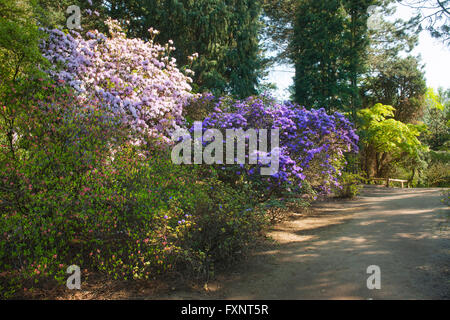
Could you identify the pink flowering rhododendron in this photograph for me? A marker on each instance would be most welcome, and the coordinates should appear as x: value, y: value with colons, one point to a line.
x: 132, y: 78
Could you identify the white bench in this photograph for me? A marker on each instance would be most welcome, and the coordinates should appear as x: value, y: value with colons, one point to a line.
x: 389, y: 180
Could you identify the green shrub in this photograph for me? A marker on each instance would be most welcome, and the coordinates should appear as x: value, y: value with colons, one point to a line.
x: 440, y: 156
x: 446, y: 199
x: 350, y: 185
x: 75, y: 190
x: 225, y: 223
x: 437, y: 175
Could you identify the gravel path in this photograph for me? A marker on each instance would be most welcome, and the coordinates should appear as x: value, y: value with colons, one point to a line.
x: 405, y: 232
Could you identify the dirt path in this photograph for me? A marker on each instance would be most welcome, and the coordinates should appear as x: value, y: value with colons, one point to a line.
x: 326, y: 255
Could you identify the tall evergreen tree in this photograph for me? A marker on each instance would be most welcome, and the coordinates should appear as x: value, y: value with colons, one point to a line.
x: 245, y: 64
x: 328, y: 48
x: 401, y: 84
x: 225, y: 34
x: 316, y: 51
x: 279, y: 16
x: 357, y: 42
x: 53, y: 14
x: 392, y: 79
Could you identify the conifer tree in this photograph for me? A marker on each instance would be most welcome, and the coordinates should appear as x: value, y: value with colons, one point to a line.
x: 225, y: 34
x: 328, y: 46
x: 316, y: 51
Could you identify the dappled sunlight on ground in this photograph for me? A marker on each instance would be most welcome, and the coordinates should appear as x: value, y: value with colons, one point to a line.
x: 325, y: 255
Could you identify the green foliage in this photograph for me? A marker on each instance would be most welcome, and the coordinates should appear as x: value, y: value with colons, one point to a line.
x: 437, y: 175
x: 389, y: 37
x: 279, y: 20
x: 278, y: 209
x: 316, y: 54
x: 387, y: 134
x: 328, y: 48
x: 437, y: 171
x: 398, y: 82
x: 440, y: 156
x: 392, y: 79
x: 433, y: 100
x: 387, y: 142
x: 225, y: 225
x: 225, y: 34
x: 350, y: 185
x: 75, y: 189
x: 437, y: 118
x: 52, y: 14
x: 19, y: 50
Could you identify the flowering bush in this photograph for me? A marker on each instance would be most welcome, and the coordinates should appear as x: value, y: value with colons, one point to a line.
x: 312, y: 143
x: 75, y: 191
x: 134, y: 79
x: 76, y: 188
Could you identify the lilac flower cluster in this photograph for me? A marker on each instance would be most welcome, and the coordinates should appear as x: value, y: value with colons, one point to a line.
x: 134, y: 79
x: 312, y: 142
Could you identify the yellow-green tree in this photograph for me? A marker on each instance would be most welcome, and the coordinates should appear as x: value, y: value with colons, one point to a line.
x: 387, y: 143
x: 19, y: 41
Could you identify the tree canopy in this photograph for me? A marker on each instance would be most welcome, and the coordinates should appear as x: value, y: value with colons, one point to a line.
x: 225, y: 34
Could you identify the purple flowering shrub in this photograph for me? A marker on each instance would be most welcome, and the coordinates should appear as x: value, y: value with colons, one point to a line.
x: 131, y: 78
x: 75, y: 190
x: 312, y: 143
x: 78, y: 186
